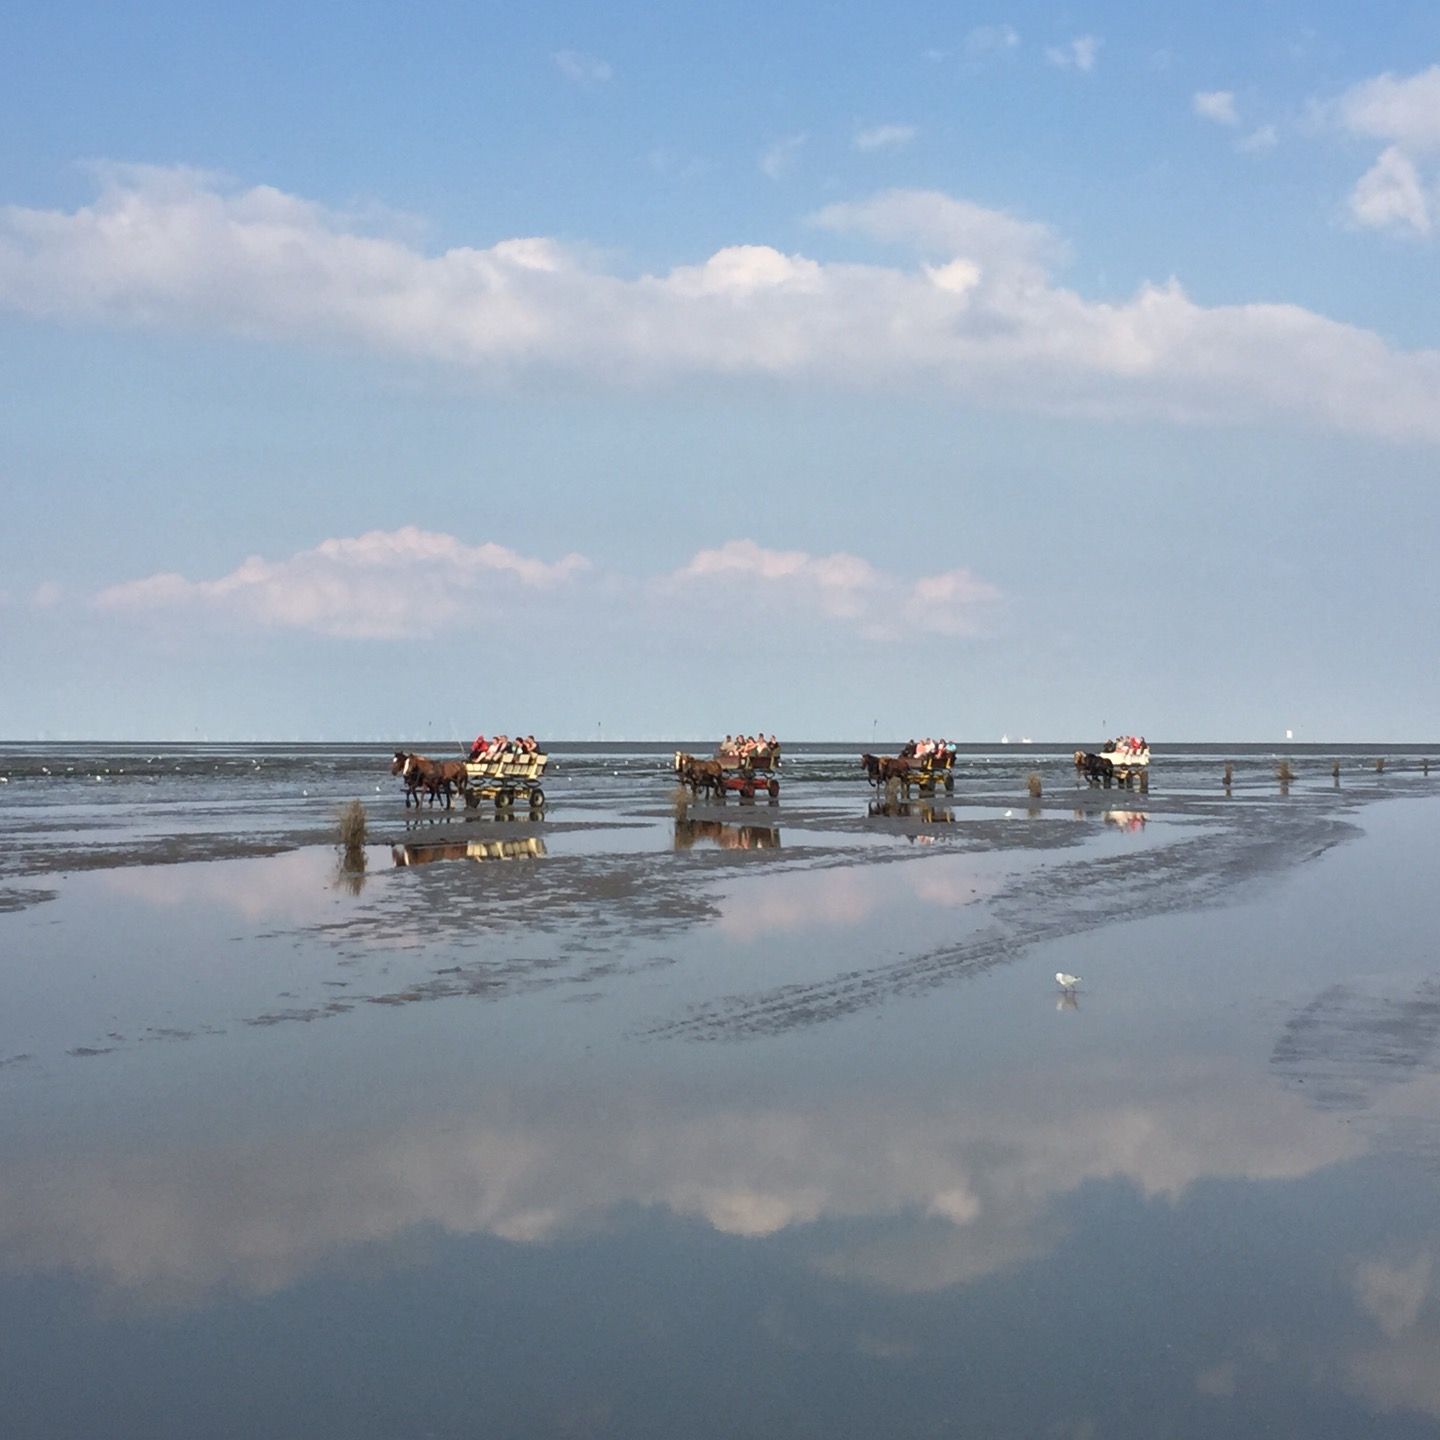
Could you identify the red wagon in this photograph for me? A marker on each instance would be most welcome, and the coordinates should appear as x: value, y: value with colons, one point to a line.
x: 748, y: 775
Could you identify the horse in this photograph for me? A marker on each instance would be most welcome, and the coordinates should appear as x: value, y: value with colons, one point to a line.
x: 399, y: 766
x: 700, y: 775
x: 1095, y: 767
x: 881, y: 769
x: 438, y: 777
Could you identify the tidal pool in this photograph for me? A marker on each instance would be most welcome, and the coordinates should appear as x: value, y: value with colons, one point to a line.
x: 759, y: 1123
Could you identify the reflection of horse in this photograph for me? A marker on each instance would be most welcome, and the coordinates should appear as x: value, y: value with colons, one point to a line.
x: 700, y: 775
x: 437, y: 777
x: 904, y: 810
x: 728, y: 837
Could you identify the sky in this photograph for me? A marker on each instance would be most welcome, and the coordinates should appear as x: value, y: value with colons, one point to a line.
x: 617, y: 372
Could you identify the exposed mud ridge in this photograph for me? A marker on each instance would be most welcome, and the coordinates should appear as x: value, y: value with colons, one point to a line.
x: 1346, y: 1045
x: 54, y: 858
x: 17, y: 899
x: 581, y: 912
x: 587, y: 902
x: 1069, y: 899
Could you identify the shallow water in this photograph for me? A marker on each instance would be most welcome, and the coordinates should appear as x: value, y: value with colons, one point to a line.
x: 760, y: 1120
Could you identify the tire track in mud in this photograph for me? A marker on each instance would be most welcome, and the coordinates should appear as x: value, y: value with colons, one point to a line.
x: 1071, y: 898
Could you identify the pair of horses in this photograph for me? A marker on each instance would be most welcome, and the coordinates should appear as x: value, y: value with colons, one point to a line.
x: 881, y: 769
x: 1094, y: 767
x: 706, y: 775
x: 440, y: 779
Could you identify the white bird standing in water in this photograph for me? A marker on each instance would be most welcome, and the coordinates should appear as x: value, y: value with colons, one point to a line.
x: 1066, y: 982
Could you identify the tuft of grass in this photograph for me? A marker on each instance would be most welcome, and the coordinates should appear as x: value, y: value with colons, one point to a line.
x: 1229, y: 774
x: 680, y: 798
x: 1033, y: 785
x: 352, y: 829
x: 1380, y: 766
x: 1284, y: 772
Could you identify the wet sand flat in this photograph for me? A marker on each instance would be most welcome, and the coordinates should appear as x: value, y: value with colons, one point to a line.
x: 642, y: 1119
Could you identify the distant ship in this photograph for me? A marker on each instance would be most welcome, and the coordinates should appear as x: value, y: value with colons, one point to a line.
x: 1004, y: 739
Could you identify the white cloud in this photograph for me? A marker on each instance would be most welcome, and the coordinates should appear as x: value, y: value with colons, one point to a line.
x: 381, y: 585
x: 178, y: 250
x: 985, y: 40
x: 1391, y: 196
x: 1077, y: 54
x: 1404, y: 110
x: 885, y: 137
x: 387, y: 585
x: 782, y: 155
x: 583, y: 69
x: 1216, y: 105
x: 1264, y: 137
x: 938, y: 225
x: 1395, y: 194
x: 842, y: 587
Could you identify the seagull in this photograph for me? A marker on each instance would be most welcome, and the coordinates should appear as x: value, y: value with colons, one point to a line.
x: 1066, y: 982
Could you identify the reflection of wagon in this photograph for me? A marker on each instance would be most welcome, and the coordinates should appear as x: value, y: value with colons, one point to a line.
x: 689, y: 833
x: 748, y: 774
x: 530, y: 848
x: 506, y: 779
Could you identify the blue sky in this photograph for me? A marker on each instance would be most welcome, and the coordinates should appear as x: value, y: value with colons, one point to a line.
x: 376, y: 372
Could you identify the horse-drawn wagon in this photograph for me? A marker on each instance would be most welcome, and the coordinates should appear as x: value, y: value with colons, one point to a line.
x: 1125, y: 759
x: 746, y: 772
x: 506, y: 779
x: 920, y: 772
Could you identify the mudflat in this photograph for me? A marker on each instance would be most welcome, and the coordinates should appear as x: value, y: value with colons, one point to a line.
x: 646, y: 1117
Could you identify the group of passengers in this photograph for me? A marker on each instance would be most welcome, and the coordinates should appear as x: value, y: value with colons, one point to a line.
x: 483, y: 749
x: 928, y: 749
x: 1127, y: 745
x: 748, y: 746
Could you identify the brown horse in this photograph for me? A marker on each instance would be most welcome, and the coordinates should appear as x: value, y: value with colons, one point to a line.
x: 440, y: 778
x: 700, y: 775
x: 881, y: 769
x: 411, y: 779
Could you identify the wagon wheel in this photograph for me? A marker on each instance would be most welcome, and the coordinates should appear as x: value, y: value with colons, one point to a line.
x: 472, y: 800
x: 949, y: 784
x: 748, y: 791
x: 774, y: 788
x: 537, y: 798
x: 504, y: 799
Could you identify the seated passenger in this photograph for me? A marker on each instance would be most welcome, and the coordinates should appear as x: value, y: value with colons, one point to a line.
x: 477, y: 749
